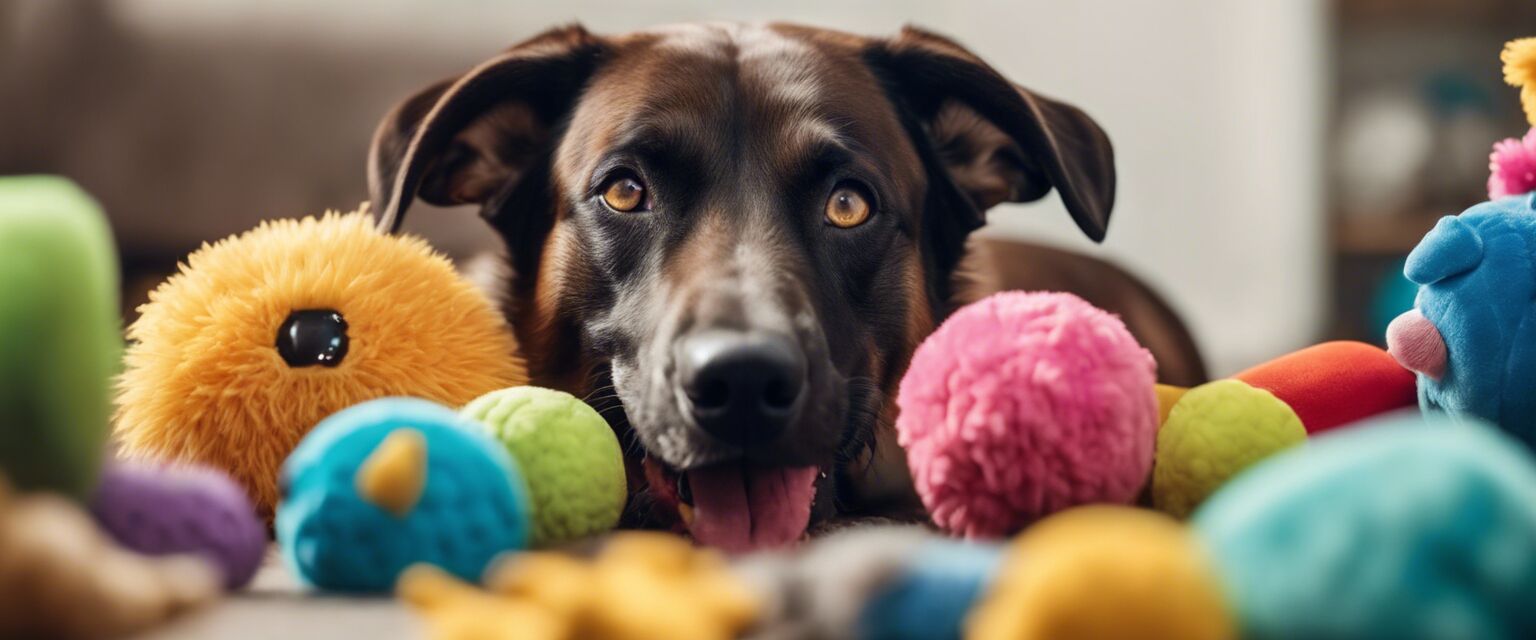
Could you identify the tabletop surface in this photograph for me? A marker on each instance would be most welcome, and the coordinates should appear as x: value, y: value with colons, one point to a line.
x: 277, y: 606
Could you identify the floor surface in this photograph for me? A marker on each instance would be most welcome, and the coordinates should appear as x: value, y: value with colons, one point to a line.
x: 277, y: 606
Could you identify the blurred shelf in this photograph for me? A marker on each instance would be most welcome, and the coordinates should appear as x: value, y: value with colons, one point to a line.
x: 1381, y: 234
x: 1488, y: 13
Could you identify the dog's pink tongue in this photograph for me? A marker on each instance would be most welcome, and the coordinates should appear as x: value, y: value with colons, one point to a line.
x: 738, y: 509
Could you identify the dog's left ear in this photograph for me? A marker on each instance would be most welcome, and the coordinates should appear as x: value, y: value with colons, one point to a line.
x: 996, y: 141
x: 466, y: 139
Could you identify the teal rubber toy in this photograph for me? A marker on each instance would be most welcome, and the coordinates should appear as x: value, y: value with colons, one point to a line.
x: 385, y: 484
x: 1406, y: 528
x: 60, y: 341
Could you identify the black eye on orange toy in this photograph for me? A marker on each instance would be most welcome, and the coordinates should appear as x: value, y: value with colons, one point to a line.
x: 263, y: 334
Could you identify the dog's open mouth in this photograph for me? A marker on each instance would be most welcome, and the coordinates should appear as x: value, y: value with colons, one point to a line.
x: 737, y: 507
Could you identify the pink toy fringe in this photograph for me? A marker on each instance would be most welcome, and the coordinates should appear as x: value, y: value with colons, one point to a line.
x: 1512, y: 166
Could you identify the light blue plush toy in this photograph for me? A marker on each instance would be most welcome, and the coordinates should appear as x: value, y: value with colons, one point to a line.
x: 1413, y: 527
x: 1472, y: 335
x: 389, y: 483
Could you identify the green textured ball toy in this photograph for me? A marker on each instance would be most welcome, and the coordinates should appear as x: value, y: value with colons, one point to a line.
x: 1213, y: 433
x: 569, y: 457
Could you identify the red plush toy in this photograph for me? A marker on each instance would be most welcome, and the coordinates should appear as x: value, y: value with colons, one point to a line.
x: 1336, y: 383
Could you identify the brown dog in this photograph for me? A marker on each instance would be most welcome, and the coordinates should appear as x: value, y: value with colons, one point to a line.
x: 731, y: 238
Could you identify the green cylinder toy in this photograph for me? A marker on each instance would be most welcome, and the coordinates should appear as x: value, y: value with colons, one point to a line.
x: 60, y: 343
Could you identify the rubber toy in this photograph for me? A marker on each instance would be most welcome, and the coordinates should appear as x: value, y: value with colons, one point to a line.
x: 1407, y: 527
x: 641, y: 585
x: 263, y: 334
x: 567, y: 453
x: 1104, y: 572
x: 1024, y: 404
x: 1215, y: 431
x: 870, y: 582
x: 1335, y: 383
x: 63, y: 578
x: 164, y: 510
x: 59, y: 337
x: 394, y: 482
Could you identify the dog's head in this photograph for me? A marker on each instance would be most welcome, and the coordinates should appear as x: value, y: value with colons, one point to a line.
x: 745, y: 230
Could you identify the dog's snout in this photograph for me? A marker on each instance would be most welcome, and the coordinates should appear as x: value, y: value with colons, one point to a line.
x: 743, y: 387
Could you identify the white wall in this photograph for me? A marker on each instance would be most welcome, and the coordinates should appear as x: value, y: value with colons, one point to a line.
x: 1215, y: 108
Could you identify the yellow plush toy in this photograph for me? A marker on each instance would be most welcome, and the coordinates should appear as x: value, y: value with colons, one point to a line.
x: 263, y: 334
x: 1104, y: 572
x: 642, y: 585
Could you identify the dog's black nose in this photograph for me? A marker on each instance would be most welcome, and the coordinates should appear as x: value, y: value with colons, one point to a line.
x: 744, y: 387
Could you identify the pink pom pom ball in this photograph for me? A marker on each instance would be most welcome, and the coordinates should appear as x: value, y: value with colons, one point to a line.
x: 1024, y: 404
x: 1512, y: 167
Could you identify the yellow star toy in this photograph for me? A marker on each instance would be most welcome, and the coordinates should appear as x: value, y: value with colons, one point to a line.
x: 640, y: 587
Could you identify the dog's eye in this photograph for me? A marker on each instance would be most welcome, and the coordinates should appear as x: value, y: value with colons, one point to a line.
x: 624, y: 193
x: 848, y: 206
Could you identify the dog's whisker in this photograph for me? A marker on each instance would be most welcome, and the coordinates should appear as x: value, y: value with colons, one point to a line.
x: 607, y: 388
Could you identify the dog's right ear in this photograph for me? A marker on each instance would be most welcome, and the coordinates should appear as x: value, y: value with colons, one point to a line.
x: 467, y: 139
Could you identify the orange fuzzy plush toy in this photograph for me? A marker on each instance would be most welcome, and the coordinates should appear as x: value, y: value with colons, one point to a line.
x: 262, y: 335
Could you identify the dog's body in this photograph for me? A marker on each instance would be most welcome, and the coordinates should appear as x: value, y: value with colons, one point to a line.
x: 731, y: 238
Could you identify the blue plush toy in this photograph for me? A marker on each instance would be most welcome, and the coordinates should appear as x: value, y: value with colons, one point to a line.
x: 1414, y: 527
x: 389, y: 483
x: 1472, y: 335
x: 931, y: 596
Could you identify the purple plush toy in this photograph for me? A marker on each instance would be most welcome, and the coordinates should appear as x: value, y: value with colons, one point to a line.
x: 161, y: 510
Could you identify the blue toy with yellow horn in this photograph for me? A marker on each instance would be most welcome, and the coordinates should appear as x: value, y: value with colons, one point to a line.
x: 393, y: 482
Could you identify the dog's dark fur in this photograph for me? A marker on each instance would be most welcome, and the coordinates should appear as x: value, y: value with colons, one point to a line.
x: 739, y: 133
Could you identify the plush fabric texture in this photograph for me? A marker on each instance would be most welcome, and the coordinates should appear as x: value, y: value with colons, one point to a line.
x: 59, y: 338
x: 473, y: 505
x: 640, y: 586
x: 1404, y: 528
x: 163, y: 510
x: 205, y: 382
x: 1519, y: 58
x: 1512, y: 167
x: 1477, y: 279
x: 1416, y: 344
x: 1101, y: 573
x: 567, y: 453
x: 63, y: 577
x: 1216, y: 431
x: 930, y: 598
x: 1335, y: 383
x: 1024, y: 404
x: 826, y: 587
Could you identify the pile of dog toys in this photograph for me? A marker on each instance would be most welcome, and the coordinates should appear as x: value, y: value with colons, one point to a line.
x: 61, y: 573
x: 345, y: 388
